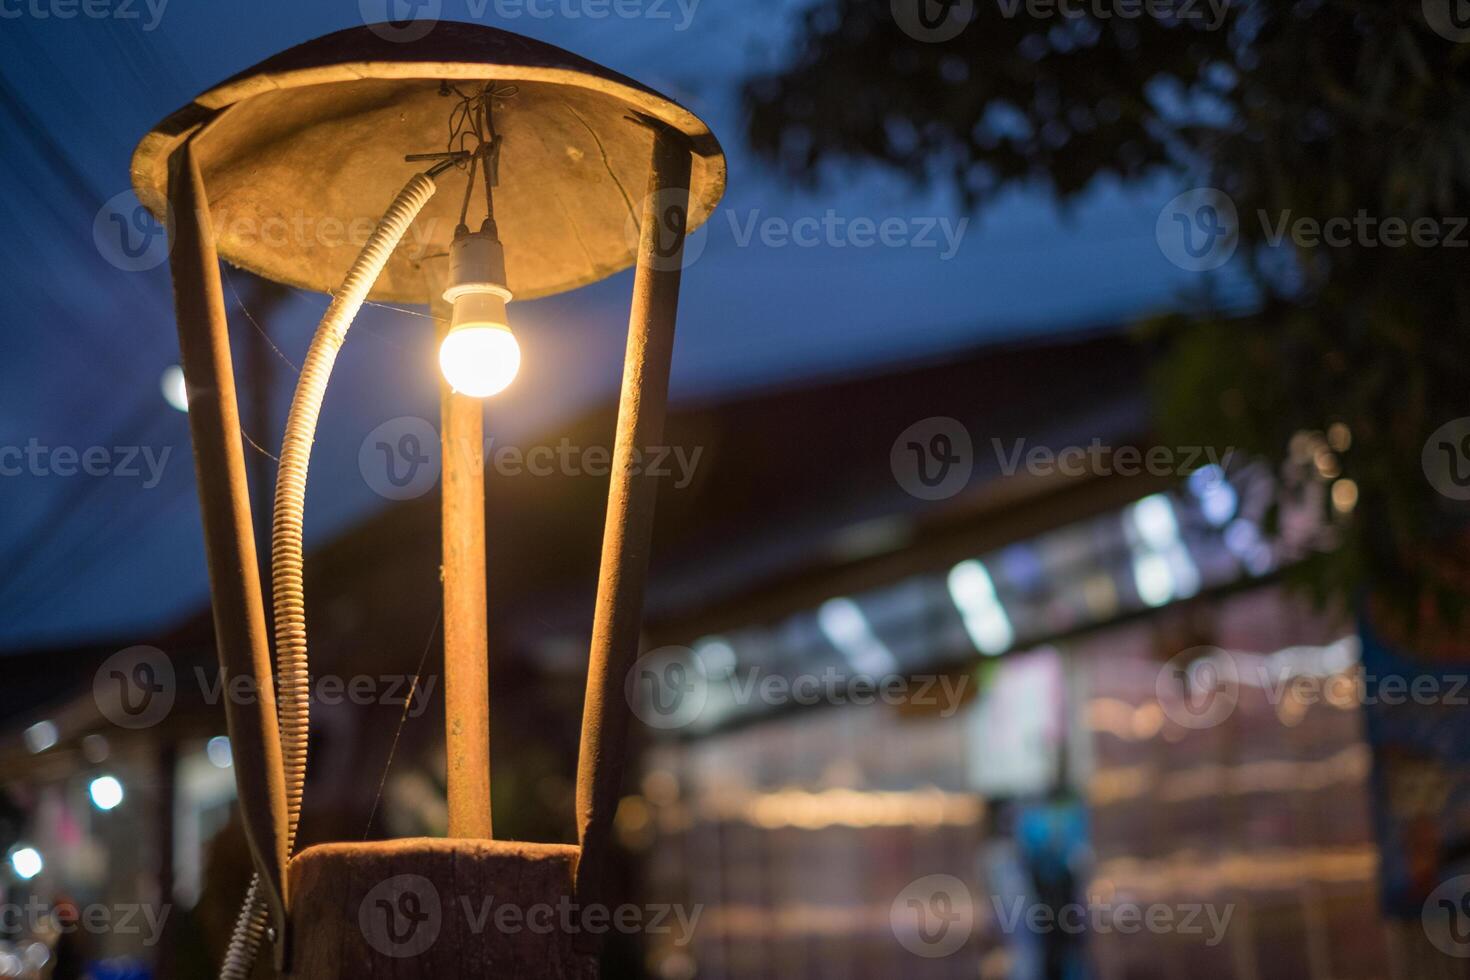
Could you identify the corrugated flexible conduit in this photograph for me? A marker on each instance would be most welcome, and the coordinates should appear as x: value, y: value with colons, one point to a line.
x: 287, y: 557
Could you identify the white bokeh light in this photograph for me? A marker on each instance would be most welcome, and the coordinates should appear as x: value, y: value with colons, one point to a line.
x: 106, y: 792
x: 26, y: 862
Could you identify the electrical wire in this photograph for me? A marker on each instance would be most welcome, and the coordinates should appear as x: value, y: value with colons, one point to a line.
x: 402, y: 720
x: 229, y: 281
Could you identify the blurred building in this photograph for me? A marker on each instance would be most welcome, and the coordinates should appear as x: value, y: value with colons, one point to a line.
x: 1048, y: 685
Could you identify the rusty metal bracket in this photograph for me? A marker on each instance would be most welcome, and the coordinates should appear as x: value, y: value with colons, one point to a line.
x: 628, y: 532
x: 229, y: 538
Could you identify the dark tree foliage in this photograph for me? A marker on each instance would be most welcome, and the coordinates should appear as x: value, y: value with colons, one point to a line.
x: 1320, y: 109
x: 1009, y: 99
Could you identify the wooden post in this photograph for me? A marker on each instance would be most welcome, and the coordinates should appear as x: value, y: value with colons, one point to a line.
x: 436, y: 909
x: 627, y: 533
x: 466, y: 630
x: 229, y: 534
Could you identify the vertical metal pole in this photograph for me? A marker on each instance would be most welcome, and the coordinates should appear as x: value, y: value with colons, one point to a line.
x: 631, y: 495
x: 466, y: 630
x: 229, y: 536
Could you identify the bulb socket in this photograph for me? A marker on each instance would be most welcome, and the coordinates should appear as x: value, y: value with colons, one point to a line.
x: 477, y: 279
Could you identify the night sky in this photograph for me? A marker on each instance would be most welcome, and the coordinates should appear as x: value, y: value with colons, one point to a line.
x: 116, y: 558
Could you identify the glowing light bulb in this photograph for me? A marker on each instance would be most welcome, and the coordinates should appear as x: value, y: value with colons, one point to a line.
x: 479, y: 355
x: 480, y: 359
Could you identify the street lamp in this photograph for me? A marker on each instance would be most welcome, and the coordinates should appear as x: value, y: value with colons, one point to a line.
x: 551, y: 151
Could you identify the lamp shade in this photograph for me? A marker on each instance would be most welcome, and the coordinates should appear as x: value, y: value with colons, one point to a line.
x: 303, y: 152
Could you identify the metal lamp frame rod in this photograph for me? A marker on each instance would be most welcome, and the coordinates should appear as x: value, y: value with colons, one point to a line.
x: 229, y: 539
x: 632, y: 493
